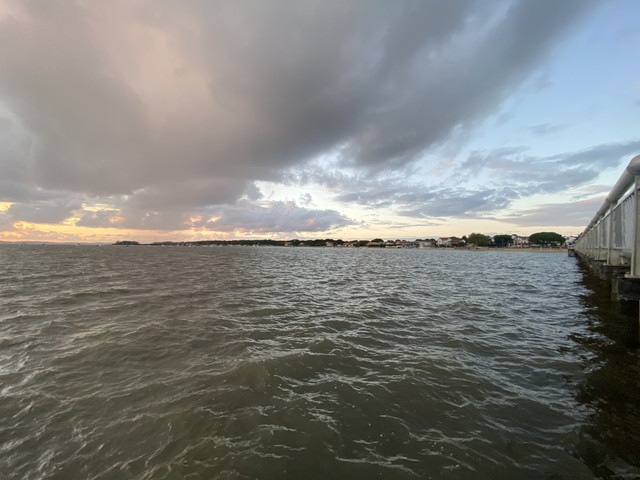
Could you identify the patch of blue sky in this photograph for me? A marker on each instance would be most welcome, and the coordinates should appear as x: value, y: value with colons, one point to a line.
x: 584, y: 96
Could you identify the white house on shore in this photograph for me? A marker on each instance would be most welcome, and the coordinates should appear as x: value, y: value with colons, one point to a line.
x: 520, y: 242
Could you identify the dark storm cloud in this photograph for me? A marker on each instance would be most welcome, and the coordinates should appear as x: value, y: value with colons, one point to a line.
x: 448, y: 82
x: 183, y: 105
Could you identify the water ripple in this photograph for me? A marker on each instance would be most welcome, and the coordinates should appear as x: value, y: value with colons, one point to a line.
x: 156, y: 363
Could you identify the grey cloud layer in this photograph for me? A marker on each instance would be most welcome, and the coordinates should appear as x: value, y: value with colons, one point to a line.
x: 174, y: 107
x: 247, y: 217
x: 533, y: 175
x: 509, y: 174
x: 558, y: 214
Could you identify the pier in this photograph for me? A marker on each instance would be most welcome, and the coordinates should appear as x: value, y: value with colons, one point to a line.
x: 610, y: 244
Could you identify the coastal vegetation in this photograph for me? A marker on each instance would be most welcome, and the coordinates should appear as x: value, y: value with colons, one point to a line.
x: 474, y: 240
x: 502, y: 240
x: 479, y: 239
x: 546, y: 238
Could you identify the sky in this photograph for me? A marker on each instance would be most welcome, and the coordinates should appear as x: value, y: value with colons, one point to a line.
x: 157, y: 120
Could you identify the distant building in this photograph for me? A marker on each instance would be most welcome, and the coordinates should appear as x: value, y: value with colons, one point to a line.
x: 571, y: 239
x: 520, y: 242
x: 444, y: 242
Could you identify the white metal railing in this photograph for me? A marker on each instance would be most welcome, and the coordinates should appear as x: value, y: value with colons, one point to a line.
x: 613, y: 235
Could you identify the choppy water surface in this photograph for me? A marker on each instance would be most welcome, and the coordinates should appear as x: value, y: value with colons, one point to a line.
x: 269, y: 363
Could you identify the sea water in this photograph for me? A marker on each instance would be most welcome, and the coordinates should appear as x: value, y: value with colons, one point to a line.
x: 268, y: 363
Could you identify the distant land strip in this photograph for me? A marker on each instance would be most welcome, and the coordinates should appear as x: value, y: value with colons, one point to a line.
x: 417, y: 244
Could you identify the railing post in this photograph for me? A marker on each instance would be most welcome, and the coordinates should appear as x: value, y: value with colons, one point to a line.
x: 635, y: 253
x: 634, y: 168
x: 611, y: 242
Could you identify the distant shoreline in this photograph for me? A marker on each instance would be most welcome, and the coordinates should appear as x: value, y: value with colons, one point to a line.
x: 513, y: 249
x: 241, y: 243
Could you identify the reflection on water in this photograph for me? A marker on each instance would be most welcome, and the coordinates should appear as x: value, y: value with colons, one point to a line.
x: 610, y: 442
